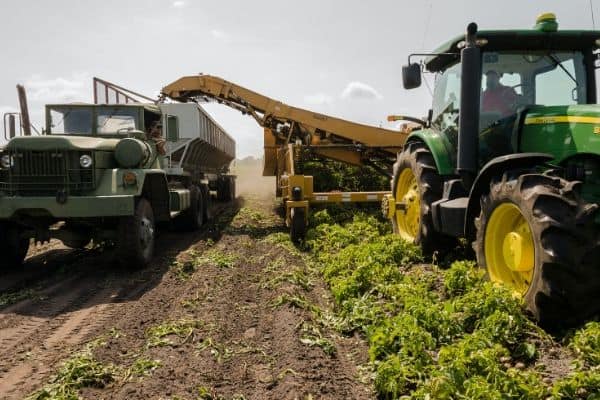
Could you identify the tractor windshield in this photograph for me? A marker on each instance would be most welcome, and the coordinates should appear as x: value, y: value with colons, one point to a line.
x: 512, y: 80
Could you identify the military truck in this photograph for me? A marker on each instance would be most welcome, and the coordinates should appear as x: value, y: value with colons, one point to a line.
x: 112, y: 173
x: 509, y: 158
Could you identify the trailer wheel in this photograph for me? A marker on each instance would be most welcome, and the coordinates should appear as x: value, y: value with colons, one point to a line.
x: 13, y: 246
x: 136, y: 236
x: 232, y: 194
x: 536, y: 235
x: 207, y: 203
x: 192, y: 219
x: 417, y: 184
x: 297, y: 224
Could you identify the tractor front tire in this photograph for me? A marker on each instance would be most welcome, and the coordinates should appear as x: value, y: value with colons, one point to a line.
x: 536, y: 235
x: 417, y: 184
x: 136, y: 236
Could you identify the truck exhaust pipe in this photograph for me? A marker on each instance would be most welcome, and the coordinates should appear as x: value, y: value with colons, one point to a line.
x: 468, y: 127
x: 24, y: 110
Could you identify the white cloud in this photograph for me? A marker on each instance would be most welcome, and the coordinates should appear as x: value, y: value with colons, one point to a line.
x: 59, y: 90
x: 178, y: 4
x: 360, y: 91
x: 318, y: 99
x: 218, y: 34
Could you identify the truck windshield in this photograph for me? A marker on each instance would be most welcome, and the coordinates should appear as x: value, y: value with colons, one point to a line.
x: 108, y: 120
x: 70, y: 121
x: 111, y: 120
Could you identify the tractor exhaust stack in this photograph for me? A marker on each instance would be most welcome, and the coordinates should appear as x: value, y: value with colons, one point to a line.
x: 468, y: 139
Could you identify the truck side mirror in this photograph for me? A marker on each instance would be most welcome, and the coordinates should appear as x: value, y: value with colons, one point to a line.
x: 411, y: 76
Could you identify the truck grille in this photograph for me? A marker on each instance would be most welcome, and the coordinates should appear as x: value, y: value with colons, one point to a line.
x: 46, y: 173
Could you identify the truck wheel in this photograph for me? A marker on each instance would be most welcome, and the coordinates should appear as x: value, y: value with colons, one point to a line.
x: 136, y: 235
x: 207, y: 203
x: 298, y: 224
x: 13, y: 247
x: 232, y: 194
x: 192, y: 219
x: 536, y: 235
x: 417, y: 184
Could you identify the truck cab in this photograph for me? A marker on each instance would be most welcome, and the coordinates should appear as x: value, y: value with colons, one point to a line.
x: 110, y: 173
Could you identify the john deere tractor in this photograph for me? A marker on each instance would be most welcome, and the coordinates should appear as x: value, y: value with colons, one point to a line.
x: 509, y: 158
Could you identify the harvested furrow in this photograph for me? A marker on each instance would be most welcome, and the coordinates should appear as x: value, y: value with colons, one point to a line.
x: 72, y: 307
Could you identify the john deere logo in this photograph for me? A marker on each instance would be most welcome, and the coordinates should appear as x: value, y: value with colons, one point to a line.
x: 597, y: 130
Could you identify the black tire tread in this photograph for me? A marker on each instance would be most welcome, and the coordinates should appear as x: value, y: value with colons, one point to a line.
x: 418, y: 157
x: 565, y: 288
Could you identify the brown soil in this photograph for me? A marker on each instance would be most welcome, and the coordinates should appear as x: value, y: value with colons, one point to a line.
x: 243, y: 345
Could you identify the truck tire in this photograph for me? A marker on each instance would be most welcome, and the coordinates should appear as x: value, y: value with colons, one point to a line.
x: 232, y: 194
x: 536, y: 235
x: 13, y: 247
x: 297, y: 224
x: 136, y: 237
x: 207, y: 203
x: 224, y: 189
x: 192, y: 219
x: 417, y: 183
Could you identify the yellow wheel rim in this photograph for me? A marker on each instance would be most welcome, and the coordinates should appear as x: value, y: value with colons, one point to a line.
x: 509, y: 248
x: 408, y: 217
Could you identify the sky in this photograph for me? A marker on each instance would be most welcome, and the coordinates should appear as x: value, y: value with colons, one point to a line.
x: 339, y: 57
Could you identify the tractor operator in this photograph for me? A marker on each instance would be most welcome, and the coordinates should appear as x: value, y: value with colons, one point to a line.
x: 498, y: 98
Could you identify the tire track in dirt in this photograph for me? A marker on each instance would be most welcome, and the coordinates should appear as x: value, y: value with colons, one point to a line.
x: 38, y: 332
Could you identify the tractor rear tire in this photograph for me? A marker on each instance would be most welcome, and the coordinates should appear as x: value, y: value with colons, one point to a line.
x: 13, y: 247
x: 136, y: 236
x: 555, y: 265
x: 297, y: 224
x: 415, y: 170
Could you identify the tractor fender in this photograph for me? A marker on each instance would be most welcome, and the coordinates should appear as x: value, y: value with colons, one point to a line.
x: 493, y: 168
x: 440, y: 148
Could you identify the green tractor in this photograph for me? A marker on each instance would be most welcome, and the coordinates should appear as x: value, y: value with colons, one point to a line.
x: 509, y: 158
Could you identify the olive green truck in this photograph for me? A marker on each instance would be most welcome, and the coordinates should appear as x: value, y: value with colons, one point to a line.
x: 111, y: 173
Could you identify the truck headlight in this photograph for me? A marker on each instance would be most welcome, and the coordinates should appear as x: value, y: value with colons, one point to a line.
x: 7, y: 161
x: 85, y: 161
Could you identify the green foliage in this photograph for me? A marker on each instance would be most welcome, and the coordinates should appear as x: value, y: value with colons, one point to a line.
x: 586, y: 343
x: 162, y: 335
x: 462, y: 276
x: 11, y: 297
x: 438, y: 334
x: 80, y: 371
x: 584, y: 385
x: 333, y: 175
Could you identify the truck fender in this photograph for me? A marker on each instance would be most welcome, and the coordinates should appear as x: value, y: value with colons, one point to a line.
x: 156, y: 191
x: 496, y: 167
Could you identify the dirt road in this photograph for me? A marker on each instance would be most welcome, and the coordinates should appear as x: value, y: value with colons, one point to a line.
x: 229, y: 312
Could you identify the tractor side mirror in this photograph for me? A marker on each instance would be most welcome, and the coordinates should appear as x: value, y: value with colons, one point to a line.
x: 411, y: 76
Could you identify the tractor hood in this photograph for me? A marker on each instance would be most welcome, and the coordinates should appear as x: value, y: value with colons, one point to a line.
x: 562, y: 131
x: 54, y: 142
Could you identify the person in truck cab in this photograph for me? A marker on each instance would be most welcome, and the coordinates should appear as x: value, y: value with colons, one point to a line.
x: 498, y: 98
x: 155, y: 133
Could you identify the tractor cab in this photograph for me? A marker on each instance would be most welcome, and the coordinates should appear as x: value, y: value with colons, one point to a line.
x: 520, y: 73
x: 509, y: 159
